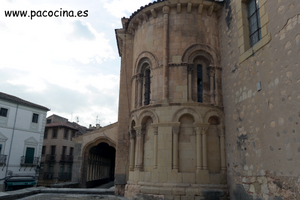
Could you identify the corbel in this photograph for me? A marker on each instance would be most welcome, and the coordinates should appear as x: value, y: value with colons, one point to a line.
x: 200, y: 8
x: 210, y: 9
x: 145, y: 16
x: 179, y: 8
x: 189, y: 7
x: 138, y: 21
x: 153, y: 12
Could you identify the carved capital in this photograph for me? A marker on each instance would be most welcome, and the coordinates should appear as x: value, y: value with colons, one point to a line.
x: 198, y: 130
x: 190, y: 67
x: 175, y: 130
x: 204, y: 129
x: 140, y: 133
x: 139, y: 78
x: 155, y: 130
x: 166, y: 9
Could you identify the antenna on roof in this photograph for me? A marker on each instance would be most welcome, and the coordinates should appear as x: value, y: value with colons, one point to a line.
x: 77, y: 119
x: 97, y: 120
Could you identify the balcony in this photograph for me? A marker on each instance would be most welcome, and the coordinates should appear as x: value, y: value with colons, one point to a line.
x: 64, y: 176
x: 50, y: 158
x: 3, y: 159
x: 66, y: 158
x: 48, y: 176
x: 29, y: 160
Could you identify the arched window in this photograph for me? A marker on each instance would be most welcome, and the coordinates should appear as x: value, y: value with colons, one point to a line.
x: 147, y: 86
x: 199, y: 83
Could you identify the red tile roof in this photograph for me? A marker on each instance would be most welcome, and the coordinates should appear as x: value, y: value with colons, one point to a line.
x: 57, y: 124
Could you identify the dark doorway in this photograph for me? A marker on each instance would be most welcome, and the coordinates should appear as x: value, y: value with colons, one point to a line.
x: 101, y: 165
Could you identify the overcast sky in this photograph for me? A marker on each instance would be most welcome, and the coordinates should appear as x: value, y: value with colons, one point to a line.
x: 68, y: 64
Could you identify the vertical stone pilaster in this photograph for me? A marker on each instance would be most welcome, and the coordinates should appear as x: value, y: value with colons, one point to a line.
x: 218, y: 85
x: 175, y: 132
x: 155, y: 138
x: 140, y: 149
x: 211, y: 76
x: 132, y: 149
x: 222, y: 149
x: 165, y: 10
x: 204, y: 148
x: 198, y: 143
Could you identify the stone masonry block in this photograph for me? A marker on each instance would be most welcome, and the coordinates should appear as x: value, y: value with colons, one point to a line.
x: 178, y: 191
x: 192, y: 191
x: 165, y: 191
x: 187, y: 198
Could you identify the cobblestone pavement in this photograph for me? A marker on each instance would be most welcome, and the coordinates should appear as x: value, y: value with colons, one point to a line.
x: 72, y: 197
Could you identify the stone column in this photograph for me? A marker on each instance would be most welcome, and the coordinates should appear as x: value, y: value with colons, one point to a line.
x: 204, y: 148
x: 212, y: 93
x: 198, y: 143
x: 140, y: 149
x: 218, y: 85
x: 175, y: 132
x: 132, y: 138
x: 222, y: 149
x: 139, y: 79
x: 190, y: 71
x: 165, y: 10
x: 155, y: 138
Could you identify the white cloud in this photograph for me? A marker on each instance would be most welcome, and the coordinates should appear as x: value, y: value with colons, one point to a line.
x: 60, y: 63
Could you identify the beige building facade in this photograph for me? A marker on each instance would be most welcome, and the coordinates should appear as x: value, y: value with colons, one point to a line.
x: 171, y: 103
x: 208, y: 100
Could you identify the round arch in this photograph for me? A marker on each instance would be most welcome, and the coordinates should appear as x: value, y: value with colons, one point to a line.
x: 214, y: 112
x: 132, y: 118
x: 148, y: 113
x: 202, y: 50
x: 187, y: 110
x: 95, y: 142
x: 85, y: 182
x: 145, y: 57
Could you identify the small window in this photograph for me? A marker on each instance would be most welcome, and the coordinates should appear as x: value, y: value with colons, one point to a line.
x: 0, y: 148
x: 3, y: 112
x: 54, y: 134
x: 66, y: 134
x: 71, y: 151
x: 35, y: 118
x: 73, y: 135
x: 46, y: 134
x: 52, y: 150
x: 64, y: 150
x: 48, y: 121
x: 254, y: 22
x: 199, y: 83
x: 43, y: 150
x: 147, y: 86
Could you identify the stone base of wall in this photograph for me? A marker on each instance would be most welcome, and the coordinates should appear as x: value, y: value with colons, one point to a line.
x: 119, y: 190
x: 177, y: 192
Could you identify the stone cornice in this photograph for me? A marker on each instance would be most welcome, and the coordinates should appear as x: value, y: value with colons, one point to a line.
x: 138, y: 17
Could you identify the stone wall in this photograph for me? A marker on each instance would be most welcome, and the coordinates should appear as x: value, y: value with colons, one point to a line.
x: 262, y: 140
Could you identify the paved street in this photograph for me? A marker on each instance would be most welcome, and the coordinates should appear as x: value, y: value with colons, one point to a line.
x: 71, y: 197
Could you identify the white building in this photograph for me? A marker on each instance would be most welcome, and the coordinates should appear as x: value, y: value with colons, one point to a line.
x: 22, y: 125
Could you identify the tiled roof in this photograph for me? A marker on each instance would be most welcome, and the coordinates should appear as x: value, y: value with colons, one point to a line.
x: 13, y: 99
x: 57, y: 124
